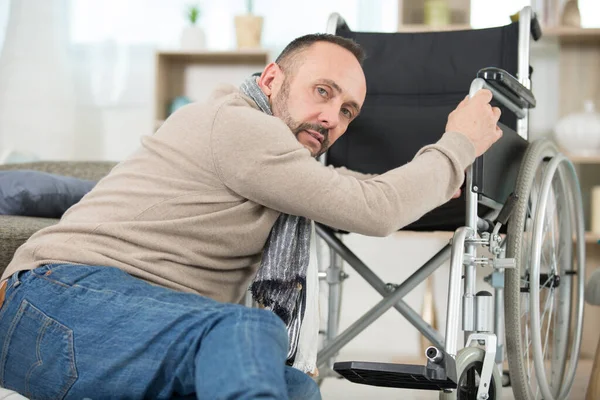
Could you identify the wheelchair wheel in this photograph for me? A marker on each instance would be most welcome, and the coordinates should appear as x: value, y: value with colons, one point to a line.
x: 547, y: 283
x: 469, y: 363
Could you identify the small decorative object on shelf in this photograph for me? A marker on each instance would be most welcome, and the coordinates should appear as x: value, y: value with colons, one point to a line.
x: 248, y: 28
x: 571, y: 15
x: 579, y: 133
x: 436, y: 13
x: 178, y: 102
x: 595, y: 210
x: 192, y: 37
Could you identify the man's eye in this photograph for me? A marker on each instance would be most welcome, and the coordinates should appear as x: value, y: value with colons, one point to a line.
x: 347, y: 112
x: 322, y: 91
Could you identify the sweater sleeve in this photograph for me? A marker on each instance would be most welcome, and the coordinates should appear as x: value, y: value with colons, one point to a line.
x: 358, y: 175
x: 258, y: 157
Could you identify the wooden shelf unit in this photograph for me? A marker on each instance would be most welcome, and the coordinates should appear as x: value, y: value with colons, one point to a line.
x: 583, y: 159
x: 429, y: 28
x: 566, y: 34
x: 592, y: 237
x: 196, y: 74
x: 578, y: 79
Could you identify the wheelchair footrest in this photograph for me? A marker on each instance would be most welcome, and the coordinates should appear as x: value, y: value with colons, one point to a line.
x: 434, y: 376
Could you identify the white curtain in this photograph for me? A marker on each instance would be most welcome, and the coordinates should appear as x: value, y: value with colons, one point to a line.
x: 37, y: 99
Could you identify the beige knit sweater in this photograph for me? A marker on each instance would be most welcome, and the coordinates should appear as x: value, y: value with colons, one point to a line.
x: 192, y: 208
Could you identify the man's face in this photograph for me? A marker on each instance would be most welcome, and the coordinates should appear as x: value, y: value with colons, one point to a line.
x: 321, y: 97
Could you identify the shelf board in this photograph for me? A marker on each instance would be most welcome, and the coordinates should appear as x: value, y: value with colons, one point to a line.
x: 583, y: 159
x: 567, y: 34
x: 250, y: 56
x: 410, y: 28
x: 592, y: 237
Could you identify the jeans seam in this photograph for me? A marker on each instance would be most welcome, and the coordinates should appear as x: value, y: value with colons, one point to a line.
x: 72, y: 374
x: 39, y: 361
x: 9, y: 334
x: 28, y: 376
x: 71, y: 351
x: 6, y: 302
x: 59, y: 283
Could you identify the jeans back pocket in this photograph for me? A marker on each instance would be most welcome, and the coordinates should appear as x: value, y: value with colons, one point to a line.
x: 38, y: 358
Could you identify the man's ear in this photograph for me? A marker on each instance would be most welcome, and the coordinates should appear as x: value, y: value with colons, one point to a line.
x: 268, y: 78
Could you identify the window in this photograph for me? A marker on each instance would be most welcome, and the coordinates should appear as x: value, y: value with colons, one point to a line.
x: 484, y: 15
x: 160, y: 21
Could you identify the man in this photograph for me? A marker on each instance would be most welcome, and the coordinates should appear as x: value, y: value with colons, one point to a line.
x: 132, y: 294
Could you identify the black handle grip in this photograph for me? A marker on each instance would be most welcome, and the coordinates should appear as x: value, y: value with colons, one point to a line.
x: 536, y: 29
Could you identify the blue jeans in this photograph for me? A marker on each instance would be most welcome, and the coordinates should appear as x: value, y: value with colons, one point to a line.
x: 78, y: 332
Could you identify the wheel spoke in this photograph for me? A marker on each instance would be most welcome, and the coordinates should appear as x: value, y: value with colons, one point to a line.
x: 548, y: 327
x: 545, y: 309
x: 528, y: 341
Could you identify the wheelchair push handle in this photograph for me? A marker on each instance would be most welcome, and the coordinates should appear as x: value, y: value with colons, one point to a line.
x: 508, y: 85
x: 505, y: 89
x: 535, y: 27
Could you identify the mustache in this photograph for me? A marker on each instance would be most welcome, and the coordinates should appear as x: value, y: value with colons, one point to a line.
x: 313, y: 127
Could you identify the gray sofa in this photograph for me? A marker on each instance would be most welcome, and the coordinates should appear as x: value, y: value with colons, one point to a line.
x: 15, y: 230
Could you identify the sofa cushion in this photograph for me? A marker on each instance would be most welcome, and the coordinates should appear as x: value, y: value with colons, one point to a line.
x: 39, y: 194
x: 14, y: 231
x: 91, y: 170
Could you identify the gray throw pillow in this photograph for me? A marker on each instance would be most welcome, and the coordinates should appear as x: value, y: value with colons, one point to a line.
x: 39, y: 194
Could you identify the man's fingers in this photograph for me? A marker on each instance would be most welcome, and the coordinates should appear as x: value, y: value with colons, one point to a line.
x: 463, y: 103
x: 498, y: 132
x: 483, y: 95
x: 496, y: 112
x: 457, y: 194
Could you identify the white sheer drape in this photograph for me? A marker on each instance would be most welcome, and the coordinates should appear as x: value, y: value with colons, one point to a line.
x: 37, y: 99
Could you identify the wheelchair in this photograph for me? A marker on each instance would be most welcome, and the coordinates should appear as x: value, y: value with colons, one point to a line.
x: 520, y: 212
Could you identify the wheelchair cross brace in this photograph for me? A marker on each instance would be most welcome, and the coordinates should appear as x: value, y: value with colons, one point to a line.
x: 440, y: 372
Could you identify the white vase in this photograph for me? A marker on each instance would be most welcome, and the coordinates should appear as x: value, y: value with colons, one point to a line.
x: 579, y: 133
x: 192, y: 38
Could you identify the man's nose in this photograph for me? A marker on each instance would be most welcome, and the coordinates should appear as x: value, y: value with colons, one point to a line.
x: 329, y: 117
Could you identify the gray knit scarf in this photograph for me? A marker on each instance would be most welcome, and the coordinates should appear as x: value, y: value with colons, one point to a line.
x: 280, y: 282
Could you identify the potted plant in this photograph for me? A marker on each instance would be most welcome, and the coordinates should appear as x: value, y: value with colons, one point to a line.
x: 248, y: 28
x: 192, y: 37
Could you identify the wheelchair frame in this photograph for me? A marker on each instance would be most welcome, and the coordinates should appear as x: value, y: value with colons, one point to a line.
x: 462, y: 251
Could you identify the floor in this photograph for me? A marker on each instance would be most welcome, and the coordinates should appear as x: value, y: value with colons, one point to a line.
x: 338, y: 389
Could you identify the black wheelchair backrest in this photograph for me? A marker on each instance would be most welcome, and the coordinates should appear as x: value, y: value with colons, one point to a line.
x: 414, y: 80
